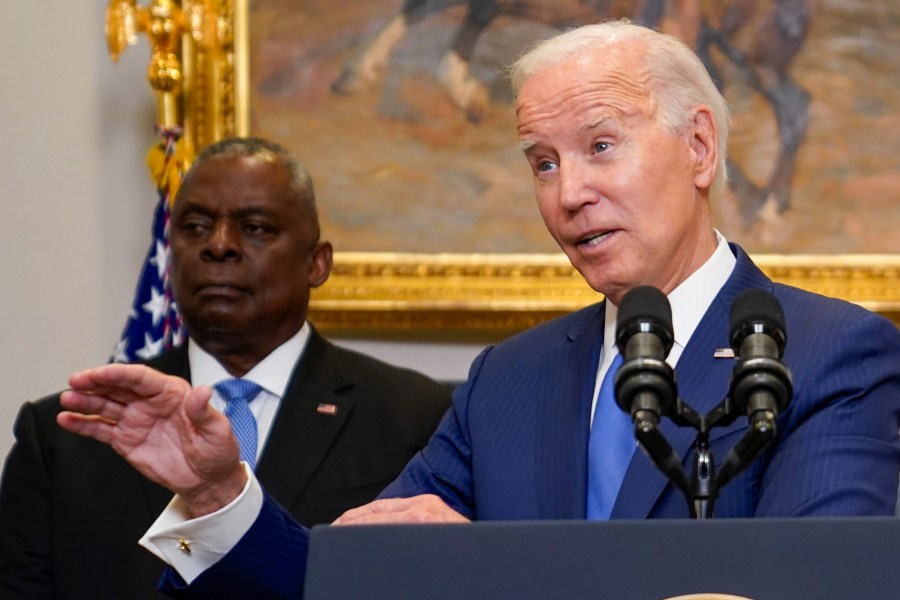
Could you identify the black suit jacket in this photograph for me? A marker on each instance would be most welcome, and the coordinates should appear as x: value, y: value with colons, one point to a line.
x: 72, y: 510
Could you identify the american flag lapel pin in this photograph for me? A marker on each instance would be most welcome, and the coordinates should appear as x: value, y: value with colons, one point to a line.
x: 327, y: 409
x: 723, y: 353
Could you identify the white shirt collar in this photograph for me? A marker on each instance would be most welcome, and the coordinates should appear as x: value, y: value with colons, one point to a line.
x: 689, y: 302
x: 691, y: 299
x: 272, y: 373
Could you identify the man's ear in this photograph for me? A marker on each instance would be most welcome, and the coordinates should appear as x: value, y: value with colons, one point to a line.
x: 320, y: 266
x: 704, y: 144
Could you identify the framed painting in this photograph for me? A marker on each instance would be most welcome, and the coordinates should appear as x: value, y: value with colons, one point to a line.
x: 402, y: 113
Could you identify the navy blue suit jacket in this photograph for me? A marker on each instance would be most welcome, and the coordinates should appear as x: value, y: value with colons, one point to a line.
x: 514, y: 444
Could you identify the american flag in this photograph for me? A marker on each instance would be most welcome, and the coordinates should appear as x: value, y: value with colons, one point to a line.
x: 153, y: 324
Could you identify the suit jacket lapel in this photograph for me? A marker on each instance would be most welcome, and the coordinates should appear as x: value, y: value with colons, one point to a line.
x: 702, y: 381
x: 301, y: 436
x: 563, y: 415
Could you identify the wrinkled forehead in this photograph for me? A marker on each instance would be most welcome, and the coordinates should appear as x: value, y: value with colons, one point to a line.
x: 613, y: 77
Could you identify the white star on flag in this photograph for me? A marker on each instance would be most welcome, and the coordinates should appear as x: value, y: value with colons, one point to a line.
x: 156, y: 305
x: 161, y: 259
x: 151, y: 348
x: 119, y: 352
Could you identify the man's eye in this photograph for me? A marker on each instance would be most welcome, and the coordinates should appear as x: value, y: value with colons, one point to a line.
x: 545, y: 166
x: 601, y: 146
x: 257, y: 228
x: 193, y: 226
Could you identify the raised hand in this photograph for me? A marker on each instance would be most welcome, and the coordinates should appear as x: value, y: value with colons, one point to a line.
x: 163, y: 427
x: 426, y: 508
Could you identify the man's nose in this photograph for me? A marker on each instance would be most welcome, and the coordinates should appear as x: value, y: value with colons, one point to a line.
x: 223, y: 242
x: 575, y: 185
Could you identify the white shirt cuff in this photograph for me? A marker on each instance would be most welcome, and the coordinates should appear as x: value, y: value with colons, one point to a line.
x: 191, y: 546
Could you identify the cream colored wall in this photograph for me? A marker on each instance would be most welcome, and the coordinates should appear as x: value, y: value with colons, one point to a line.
x: 77, y: 203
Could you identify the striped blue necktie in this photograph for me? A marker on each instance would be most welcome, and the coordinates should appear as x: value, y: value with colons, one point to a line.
x: 238, y: 393
x: 610, y: 448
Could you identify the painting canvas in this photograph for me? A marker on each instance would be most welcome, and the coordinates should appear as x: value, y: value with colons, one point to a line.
x: 402, y: 113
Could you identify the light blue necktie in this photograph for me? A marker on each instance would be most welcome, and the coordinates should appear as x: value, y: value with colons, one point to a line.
x: 238, y: 393
x: 610, y: 449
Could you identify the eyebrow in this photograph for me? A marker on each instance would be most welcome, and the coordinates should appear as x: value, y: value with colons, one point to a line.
x: 524, y: 145
x: 250, y: 211
x: 599, y: 120
x: 185, y: 206
x: 243, y: 212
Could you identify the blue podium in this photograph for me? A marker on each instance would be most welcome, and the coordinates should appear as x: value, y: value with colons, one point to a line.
x: 761, y: 559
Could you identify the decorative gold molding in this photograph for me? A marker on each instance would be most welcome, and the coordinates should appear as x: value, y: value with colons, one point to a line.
x: 164, y: 24
x: 211, y: 107
x: 506, y: 293
x: 497, y: 294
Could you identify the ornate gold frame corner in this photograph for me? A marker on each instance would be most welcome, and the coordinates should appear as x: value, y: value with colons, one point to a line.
x: 488, y: 293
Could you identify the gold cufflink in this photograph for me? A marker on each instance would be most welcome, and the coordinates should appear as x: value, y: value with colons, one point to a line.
x: 184, y: 545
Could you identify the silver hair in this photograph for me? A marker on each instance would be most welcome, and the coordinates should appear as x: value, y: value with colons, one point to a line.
x: 679, y: 81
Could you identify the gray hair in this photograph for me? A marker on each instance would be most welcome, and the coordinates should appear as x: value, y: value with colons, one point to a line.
x: 679, y: 81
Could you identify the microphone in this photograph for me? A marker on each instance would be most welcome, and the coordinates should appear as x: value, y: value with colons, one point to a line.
x: 761, y: 385
x: 760, y: 382
x: 645, y: 383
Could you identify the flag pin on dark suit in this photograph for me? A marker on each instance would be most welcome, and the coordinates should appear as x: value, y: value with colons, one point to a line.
x: 723, y: 353
x: 326, y: 409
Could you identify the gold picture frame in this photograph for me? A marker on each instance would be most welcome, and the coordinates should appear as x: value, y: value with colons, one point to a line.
x: 495, y: 294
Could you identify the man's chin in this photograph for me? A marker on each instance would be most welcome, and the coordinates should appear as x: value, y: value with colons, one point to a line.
x: 604, y: 284
x: 219, y: 322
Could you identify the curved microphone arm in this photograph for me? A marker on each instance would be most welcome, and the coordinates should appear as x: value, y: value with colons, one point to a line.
x: 658, y: 449
x: 761, y: 431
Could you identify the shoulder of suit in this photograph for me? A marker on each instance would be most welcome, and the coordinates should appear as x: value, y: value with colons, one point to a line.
x: 364, y: 369
x: 809, y: 312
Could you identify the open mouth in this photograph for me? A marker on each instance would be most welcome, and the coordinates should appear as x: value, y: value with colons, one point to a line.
x: 594, y: 239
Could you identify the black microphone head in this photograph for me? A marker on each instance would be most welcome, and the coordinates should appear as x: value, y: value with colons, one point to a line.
x: 757, y: 311
x: 644, y: 308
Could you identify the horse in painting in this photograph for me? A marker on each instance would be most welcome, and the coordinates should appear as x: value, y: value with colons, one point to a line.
x: 759, y: 39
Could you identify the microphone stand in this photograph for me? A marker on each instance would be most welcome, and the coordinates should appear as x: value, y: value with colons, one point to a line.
x: 645, y: 388
x: 701, y: 489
